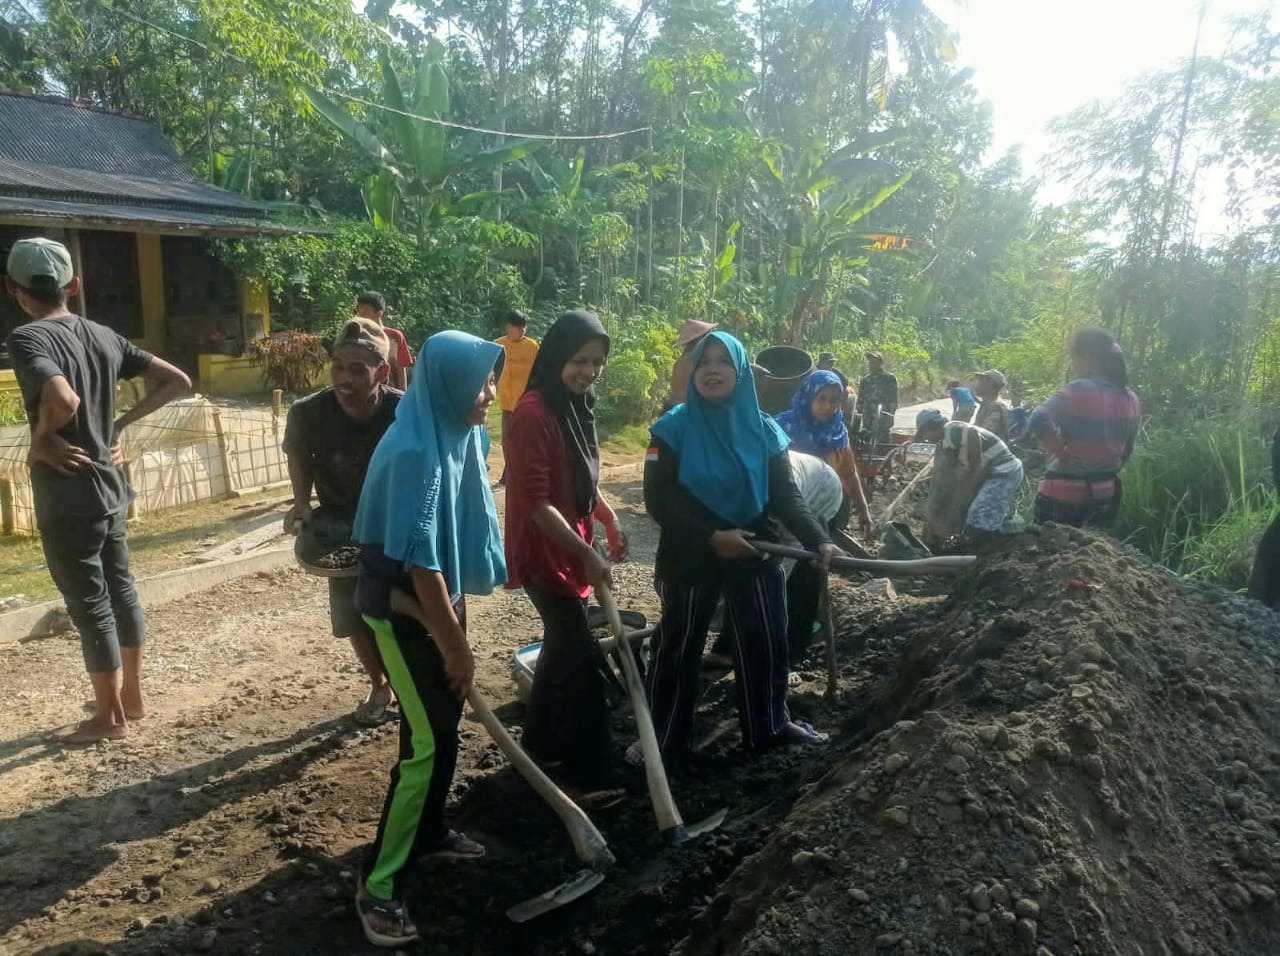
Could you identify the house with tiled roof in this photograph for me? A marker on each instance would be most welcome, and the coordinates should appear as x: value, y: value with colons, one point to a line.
x: 136, y: 219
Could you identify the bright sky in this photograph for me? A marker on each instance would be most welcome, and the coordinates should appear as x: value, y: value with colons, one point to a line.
x: 1039, y: 59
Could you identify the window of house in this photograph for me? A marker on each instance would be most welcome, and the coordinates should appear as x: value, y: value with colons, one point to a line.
x: 112, y: 288
x: 195, y: 283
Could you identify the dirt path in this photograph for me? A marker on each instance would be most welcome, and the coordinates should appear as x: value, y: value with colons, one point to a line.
x: 232, y: 819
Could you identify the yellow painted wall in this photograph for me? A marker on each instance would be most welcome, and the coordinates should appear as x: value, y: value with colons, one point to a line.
x: 229, y: 375
x: 255, y: 298
x: 151, y: 281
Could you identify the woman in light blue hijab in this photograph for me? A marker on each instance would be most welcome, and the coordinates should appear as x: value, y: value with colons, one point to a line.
x: 716, y: 476
x: 427, y: 524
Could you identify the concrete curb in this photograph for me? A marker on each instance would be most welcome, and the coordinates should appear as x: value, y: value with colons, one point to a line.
x: 40, y: 619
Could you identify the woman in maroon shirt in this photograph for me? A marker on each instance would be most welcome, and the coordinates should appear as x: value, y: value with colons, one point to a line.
x: 553, y: 501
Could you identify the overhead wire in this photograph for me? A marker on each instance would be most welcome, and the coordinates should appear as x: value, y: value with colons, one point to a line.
x: 433, y: 120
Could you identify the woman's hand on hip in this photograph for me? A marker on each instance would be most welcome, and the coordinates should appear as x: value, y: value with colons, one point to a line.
x: 733, y: 545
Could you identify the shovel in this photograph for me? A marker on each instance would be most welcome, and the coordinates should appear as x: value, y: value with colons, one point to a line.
x: 951, y: 564
x: 670, y: 824
x: 588, y: 843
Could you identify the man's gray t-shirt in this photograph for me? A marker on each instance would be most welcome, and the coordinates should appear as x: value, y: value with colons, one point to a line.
x: 93, y: 359
x: 337, y: 446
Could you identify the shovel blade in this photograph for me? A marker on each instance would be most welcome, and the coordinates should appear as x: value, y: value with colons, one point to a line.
x: 571, y: 889
x: 706, y: 826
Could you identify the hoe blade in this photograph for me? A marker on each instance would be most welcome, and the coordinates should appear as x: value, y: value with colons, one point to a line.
x: 571, y: 889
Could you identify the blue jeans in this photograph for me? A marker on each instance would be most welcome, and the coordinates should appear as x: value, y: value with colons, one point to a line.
x: 88, y: 559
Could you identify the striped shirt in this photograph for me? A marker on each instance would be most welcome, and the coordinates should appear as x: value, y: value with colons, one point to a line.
x: 1088, y: 427
x: 996, y: 457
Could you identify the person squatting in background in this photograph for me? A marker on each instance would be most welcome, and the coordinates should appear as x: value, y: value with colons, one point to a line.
x: 995, y: 472
x: 815, y: 425
x: 1088, y: 429
x: 520, y: 351
x: 427, y: 525
x: 553, y: 502
x: 993, y: 414
x: 67, y: 370
x: 329, y: 438
x: 715, y: 473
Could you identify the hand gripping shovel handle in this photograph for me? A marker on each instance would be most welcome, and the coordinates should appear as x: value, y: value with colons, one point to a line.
x: 588, y: 843
x: 664, y: 805
x: 953, y: 564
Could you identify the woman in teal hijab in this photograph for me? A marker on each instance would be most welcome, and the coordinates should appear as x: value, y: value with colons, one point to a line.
x: 715, y: 476
x: 427, y: 524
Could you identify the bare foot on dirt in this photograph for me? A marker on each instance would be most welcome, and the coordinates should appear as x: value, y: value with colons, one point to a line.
x: 130, y: 711
x: 90, y: 732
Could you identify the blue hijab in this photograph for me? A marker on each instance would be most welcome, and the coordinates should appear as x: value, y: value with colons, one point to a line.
x: 426, y: 498
x: 724, y: 447
x: 807, y: 434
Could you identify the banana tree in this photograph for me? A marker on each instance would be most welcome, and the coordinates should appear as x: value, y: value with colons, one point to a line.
x: 815, y: 201
x: 422, y: 168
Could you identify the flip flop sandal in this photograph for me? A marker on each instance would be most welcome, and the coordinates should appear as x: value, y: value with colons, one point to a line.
x: 371, y: 713
x: 457, y: 846
x: 800, y: 732
x: 391, y: 912
x: 794, y: 679
x: 634, y: 755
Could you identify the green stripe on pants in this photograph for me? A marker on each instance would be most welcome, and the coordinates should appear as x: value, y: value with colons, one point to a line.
x: 405, y: 814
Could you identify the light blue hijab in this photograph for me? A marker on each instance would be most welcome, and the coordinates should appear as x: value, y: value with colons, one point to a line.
x: 724, y: 447
x: 426, y: 498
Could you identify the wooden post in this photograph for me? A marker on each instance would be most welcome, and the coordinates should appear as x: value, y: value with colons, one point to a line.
x: 6, y: 505
x: 277, y: 405
x: 133, y: 501
x: 223, y: 453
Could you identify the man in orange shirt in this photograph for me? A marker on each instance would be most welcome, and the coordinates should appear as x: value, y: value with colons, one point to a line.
x: 520, y: 351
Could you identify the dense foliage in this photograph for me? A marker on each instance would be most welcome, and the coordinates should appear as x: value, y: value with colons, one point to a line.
x: 750, y: 165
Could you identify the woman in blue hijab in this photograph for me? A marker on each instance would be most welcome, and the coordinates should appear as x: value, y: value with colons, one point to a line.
x: 815, y: 425
x: 715, y: 474
x: 427, y: 524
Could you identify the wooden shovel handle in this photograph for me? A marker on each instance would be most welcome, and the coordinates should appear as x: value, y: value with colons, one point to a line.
x: 952, y: 564
x: 664, y: 805
x: 588, y: 843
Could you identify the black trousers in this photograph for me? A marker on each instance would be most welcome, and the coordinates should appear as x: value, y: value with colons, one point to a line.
x: 1094, y: 513
x: 756, y: 625
x: 413, y: 813
x: 88, y: 559
x: 568, y: 715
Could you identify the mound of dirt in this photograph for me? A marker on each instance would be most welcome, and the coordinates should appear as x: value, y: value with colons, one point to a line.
x: 1075, y: 753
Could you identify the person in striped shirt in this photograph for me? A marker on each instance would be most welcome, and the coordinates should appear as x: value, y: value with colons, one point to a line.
x: 980, y: 464
x: 1088, y: 429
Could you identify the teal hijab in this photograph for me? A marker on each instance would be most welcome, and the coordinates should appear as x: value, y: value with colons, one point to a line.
x: 426, y: 498
x: 724, y: 447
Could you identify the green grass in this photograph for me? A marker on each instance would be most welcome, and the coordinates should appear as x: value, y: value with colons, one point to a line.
x: 157, y: 542
x: 1197, y: 497
x: 626, y: 441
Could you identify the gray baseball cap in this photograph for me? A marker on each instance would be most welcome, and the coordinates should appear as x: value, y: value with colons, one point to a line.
x: 40, y: 264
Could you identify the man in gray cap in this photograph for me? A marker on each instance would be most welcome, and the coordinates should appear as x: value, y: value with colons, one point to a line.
x: 67, y: 368
x: 329, y: 438
x: 877, y: 400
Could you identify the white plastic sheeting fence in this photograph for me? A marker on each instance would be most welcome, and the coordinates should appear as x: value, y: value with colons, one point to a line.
x: 190, y: 451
